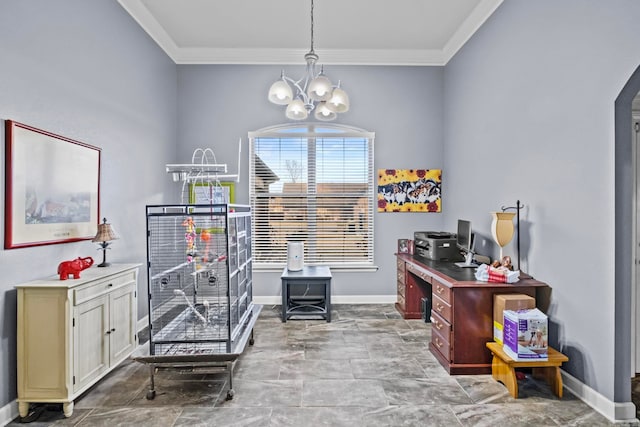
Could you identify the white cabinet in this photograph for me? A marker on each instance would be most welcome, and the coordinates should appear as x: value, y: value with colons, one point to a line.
x: 73, y: 332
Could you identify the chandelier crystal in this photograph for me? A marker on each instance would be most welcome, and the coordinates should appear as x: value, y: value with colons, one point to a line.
x: 314, y: 91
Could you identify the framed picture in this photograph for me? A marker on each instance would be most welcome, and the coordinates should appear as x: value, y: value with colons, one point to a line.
x: 409, y: 190
x: 52, y: 190
x: 403, y: 246
x: 204, y: 193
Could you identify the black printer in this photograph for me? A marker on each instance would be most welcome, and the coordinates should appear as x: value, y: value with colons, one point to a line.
x: 436, y: 246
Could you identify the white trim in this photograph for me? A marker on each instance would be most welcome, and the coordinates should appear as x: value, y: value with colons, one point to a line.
x: 142, y: 323
x: 474, y: 21
x: 8, y: 413
x: 395, y: 57
x: 614, y: 411
x: 335, y: 299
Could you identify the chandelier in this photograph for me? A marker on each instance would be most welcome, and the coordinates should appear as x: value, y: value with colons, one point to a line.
x: 313, y: 91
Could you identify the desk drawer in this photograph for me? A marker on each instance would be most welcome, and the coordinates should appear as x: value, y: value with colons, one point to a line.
x: 441, y: 343
x: 91, y: 290
x: 401, y: 302
x: 441, y: 291
x: 419, y: 272
x: 440, y: 325
x: 401, y: 264
x: 442, y: 308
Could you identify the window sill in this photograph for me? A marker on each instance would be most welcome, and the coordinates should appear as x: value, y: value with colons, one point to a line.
x: 271, y: 268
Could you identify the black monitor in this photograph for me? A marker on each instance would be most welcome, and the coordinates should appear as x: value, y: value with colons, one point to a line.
x: 464, y: 236
x: 464, y: 242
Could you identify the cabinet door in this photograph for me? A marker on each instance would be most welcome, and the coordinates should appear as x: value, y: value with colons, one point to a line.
x: 122, y: 319
x: 90, y: 337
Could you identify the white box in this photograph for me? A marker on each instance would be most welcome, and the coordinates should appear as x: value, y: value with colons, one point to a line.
x: 526, y: 334
x: 502, y: 302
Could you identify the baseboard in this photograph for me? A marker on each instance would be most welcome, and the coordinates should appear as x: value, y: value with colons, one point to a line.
x: 615, y: 412
x: 8, y: 413
x: 142, y: 323
x: 335, y: 299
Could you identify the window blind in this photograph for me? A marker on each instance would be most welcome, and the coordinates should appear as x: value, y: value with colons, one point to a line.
x: 314, y: 185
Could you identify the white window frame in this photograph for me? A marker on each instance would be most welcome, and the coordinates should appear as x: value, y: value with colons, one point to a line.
x: 311, y: 132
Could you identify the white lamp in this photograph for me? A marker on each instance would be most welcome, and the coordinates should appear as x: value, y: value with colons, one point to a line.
x: 324, y: 113
x: 280, y: 93
x: 296, y: 110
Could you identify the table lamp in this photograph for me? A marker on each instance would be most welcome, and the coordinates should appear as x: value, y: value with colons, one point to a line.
x: 502, y: 228
x: 104, y: 236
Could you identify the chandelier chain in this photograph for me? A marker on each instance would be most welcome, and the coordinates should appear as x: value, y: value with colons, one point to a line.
x: 312, y: 27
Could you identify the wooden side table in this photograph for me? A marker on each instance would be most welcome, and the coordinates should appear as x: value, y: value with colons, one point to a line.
x: 306, y: 293
x: 503, y: 369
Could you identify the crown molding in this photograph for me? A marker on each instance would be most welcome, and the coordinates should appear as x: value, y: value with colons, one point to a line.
x: 276, y: 56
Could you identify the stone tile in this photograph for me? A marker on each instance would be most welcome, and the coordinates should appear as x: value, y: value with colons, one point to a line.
x: 332, y: 352
x: 368, y: 367
x: 386, y: 368
x: 131, y: 417
x: 410, y: 415
x: 343, y: 393
x: 315, y: 369
x: 323, y: 416
x: 212, y: 417
x: 424, y: 391
x: 266, y: 394
x: 508, y: 414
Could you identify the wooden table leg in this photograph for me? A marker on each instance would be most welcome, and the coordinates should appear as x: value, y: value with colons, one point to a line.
x: 505, y: 374
x: 550, y: 374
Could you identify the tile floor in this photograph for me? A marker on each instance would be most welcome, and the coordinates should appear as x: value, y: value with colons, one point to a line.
x: 368, y: 367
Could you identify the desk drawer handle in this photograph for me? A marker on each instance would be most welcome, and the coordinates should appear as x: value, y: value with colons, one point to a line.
x: 438, y: 343
x: 439, y: 306
x: 437, y: 324
x: 439, y: 290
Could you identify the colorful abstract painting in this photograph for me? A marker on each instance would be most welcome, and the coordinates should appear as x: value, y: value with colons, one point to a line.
x: 409, y: 190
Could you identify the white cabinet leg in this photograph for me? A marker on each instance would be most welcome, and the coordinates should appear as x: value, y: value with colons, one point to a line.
x: 23, y: 409
x: 67, y: 408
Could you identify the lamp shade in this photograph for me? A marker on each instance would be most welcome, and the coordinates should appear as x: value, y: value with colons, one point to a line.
x: 320, y: 88
x: 339, y: 101
x: 105, y: 233
x: 502, y: 228
x: 296, y: 110
x: 280, y: 93
x: 324, y: 113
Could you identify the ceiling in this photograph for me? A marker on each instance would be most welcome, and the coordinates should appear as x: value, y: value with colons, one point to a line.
x: 361, y: 32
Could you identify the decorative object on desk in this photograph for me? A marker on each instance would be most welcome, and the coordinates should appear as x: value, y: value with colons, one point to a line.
x: 295, y: 256
x: 52, y: 187
x: 403, y: 246
x: 487, y: 273
x: 104, y: 236
x: 409, y: 190
x: 74, y: 267
x: 313, y: 91
x: 517, y: 208
x: 502, y: 228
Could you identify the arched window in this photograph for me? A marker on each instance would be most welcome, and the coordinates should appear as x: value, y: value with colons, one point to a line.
x: 312, y: 183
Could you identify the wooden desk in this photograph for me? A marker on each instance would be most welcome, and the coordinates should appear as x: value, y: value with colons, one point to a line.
x: 503, y: 369
x: 462, y: 309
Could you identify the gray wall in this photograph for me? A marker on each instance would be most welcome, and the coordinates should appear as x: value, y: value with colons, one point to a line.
x: 529, y: 115
x: 86, y: 71
x: 218, y: 104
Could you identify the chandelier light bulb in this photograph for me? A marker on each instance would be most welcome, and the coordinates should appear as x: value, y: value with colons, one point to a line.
x: 296, y: 110
x: 320, y: 88
x: 339, y: 101
x: 323, y: 113
x: 280, y: 93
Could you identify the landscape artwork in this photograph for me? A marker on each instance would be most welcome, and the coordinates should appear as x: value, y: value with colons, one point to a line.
x: 409, y: 190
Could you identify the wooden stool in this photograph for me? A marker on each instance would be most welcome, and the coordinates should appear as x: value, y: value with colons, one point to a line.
x: 503, y: 369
